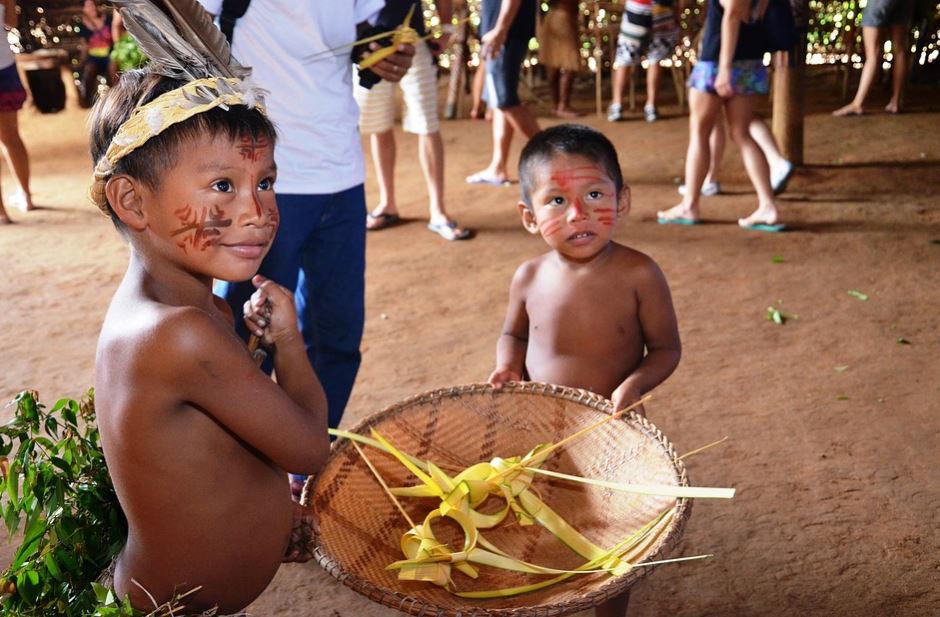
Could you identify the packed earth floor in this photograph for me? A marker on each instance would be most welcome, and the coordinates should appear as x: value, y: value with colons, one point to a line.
x: 832, y: 417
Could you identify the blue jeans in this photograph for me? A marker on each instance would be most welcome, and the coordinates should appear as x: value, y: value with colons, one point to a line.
x: 320, y: 253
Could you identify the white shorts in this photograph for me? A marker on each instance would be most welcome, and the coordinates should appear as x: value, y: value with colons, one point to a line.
x: 419, y: 87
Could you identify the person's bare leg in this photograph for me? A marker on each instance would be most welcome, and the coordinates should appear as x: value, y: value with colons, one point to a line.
x: 554, y: 78
x: 716, y: 141
x: 476, y: 91
x: 761, y: 134
x: 521, y: 119
x: 704, y: 109
x: 653, y: 77
x: 431, y: 157
x: 496, y: 171
x: 615, y: 607
x: 900, y: 53
x: 563, y: 108
x: 740, y: 112
x: 872, y: 38
x: 14, y: 151
x: 383, y: 157
x: 621, y: 77
x: 4, y: 217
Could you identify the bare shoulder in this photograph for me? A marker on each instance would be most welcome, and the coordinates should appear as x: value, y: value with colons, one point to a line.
x: 527, y: 272
x: 635, y: 264
x: 163, y: 342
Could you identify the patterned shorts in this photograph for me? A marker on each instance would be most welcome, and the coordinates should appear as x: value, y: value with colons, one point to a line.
x: 12, y: 93
x: 747, y: 77
x: 646, y: 29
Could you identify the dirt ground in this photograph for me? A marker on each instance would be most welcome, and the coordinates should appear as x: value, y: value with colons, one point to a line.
x: 832, y: 418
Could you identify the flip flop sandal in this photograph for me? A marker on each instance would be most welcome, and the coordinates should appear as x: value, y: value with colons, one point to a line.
x: 375, y: 222
x: 479, y: 178
x: 450, y: 231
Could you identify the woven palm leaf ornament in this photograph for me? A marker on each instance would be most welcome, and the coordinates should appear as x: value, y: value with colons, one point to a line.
x: 465, y: 495
x: 182, y: 43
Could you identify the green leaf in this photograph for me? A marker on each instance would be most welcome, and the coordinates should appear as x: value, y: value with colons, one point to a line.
x: 903, y: 341
x: 842, y: 397
x: 857, y: 294
x: 777, y: 259
x: 842, y: 369
x: 51, y: 565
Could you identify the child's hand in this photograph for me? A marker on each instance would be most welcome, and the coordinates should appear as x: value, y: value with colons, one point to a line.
x: 624, y: 396
x: 270, y: 312
x: 499, y: 377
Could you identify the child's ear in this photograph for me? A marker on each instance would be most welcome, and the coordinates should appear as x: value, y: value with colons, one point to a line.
x: 528, y: 218
x: 124, y: 196
x: 623, y: 201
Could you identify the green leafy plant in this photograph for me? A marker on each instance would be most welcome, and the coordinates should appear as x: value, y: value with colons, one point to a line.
x: 57, y: 491
x: 127, y: 55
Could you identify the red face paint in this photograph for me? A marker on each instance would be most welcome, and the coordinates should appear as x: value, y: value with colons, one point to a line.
x: 251, y: 149
x: 203, y: 227
x: 550, y: 227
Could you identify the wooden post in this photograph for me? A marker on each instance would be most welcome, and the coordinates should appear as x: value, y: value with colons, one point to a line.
x: 458, y: 68
x: 789, y: 90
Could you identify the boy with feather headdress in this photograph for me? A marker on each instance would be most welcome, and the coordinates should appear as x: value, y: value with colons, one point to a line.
x: 196, y: 437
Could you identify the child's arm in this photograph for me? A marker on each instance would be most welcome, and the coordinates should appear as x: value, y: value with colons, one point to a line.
x: 201, y: 363
x: 660, y: 336
x: 270, y: 314
x: 512, y: 344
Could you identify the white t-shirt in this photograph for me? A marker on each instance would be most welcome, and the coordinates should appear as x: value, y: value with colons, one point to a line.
x: 310, y: 101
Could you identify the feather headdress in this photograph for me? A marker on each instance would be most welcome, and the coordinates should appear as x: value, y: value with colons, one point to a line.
x: 182, y: 43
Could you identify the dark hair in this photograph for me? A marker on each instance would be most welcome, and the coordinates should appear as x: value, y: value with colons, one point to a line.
x: 152, y: 160
x: 569, y: 139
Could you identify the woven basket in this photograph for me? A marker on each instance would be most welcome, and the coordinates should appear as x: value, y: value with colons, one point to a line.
x: 360, y: 529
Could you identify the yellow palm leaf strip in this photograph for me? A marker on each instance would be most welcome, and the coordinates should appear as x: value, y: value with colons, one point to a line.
x: 589, y: 566
x: 664, y: 490
x: 563, y: 530
x: 371, y: 442
x: 381, y: 481
x: 703, y: 448
x: 412, y: 467
x: 537, y: 456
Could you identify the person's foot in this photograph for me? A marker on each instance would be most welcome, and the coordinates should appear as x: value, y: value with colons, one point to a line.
x: 449, y: 230
x: 614, y: 113
x: 477, y: 113
x: 780, y: 175
x: 488, y: 177
x: 378, y: 219
x: 4, y: 219
x: 849, y: 110
x: 708, y: 189
x: 21, y: 201
x: 765, y: 218
x: 681, y: 215
x: 892, y: 108
x: 649, y: 112
x: 567, y: 113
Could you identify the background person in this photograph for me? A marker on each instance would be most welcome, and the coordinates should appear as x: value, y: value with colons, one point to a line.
x: 650, y: 28
x: 319, y: 251
x: 880, y: 17
x: 96, y: 29
x: 559, y: 44
x: 12, y: 97
x: 506, y: 27
x: 377, y: 119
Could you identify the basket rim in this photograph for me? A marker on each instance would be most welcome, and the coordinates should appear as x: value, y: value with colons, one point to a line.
x: 418, y: 606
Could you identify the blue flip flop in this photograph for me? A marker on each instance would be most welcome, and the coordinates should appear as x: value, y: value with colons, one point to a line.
x: 764, y: 227
x: 677, y: 221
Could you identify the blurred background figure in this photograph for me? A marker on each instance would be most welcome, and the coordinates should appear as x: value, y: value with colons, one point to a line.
x: 97, y: 29
x: 650, y: 28
x: 880, y: 17
x: 559, y: 42
x: 12, y: 97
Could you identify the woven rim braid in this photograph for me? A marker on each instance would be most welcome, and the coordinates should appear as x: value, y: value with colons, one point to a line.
x: 360, y: 529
